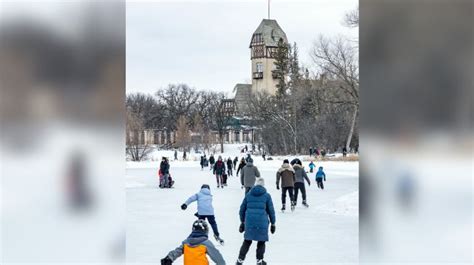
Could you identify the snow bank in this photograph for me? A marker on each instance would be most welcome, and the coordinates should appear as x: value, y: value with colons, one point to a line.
x: 347, y: 205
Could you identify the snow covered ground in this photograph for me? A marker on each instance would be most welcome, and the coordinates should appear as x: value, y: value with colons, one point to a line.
x: 326, y: 232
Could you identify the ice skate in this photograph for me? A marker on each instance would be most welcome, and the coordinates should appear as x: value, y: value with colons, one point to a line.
x: 239, y: 262
x: 283, y: 208
x: 261, y: 262
x: 305, y: 204
x: 293, y: 204
x: 219, y: 240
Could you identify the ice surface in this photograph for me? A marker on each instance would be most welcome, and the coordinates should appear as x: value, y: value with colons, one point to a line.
x: 326, y: 232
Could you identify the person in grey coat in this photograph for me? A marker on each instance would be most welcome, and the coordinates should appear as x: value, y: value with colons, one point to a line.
x: 300, y: 177
x: 248, y: 174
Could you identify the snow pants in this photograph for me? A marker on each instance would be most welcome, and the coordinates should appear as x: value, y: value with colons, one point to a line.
x: 164, y: 181
x: 245, y: 248
x: 300, y: 186
x: 212, y: 221
x: 220, y: 180
x: 283, y: 194
x: 320, y: 183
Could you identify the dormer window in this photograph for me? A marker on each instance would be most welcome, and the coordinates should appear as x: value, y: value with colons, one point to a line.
x: 257, y: 38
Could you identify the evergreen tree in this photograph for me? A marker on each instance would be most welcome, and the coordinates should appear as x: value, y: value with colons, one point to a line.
x: 281, y: 68
x: 294, y: 69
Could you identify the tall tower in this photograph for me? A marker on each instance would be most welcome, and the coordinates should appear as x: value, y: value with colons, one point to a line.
x: 263, y: 48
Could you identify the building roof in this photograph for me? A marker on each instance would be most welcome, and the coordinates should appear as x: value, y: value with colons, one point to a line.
x: 271, y: 33
x: 242, y: 95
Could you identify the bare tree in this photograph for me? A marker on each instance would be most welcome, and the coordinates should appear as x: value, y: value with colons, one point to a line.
x: 183, y: 135
x: 351, y: 18
x: 137, y: 147
x: 337, y: 60
x: 221, y: 117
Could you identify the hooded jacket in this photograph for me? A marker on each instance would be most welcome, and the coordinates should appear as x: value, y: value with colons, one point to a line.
x: 300, y: 174
x: 320, y: 174
x: 248, y: 174
x: 164, y: 167
x: 287, y: 175
x: 204, y: 201
x: 219, y: 168
x: 256, y: 212
x: 195, y: 248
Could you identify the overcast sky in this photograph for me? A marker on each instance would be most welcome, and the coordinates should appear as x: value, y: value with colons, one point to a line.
x: 205, y: 44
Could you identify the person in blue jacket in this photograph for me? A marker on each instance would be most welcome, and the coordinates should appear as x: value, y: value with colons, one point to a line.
x: 256, y: 213
x: 311, y: 166
x: 205, y: 209
x: 320, y: 175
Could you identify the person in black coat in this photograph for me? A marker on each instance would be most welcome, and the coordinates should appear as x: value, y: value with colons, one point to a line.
x: 212, y: 161
x: 229, y: 166
x: 236, y: 160
x: 241, y: 165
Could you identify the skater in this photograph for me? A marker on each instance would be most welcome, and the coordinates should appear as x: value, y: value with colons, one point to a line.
x: 248, y: 174
x: 344, y: 151
x: 229, y: 166
x: 164, y: 173
x: 205, y: 208
x: 287, y: 175
x: 264, y: 156
x: 300, y: 177
x: 311, y: 167
x: 320, y: 175
x: 236, y: 160
x: 256, y: 213
x: 311, y: 151
x: 211, y: 161
x: 219, y: 170
x: 241, y: 165
x: 184, y: 155
x: 195, y: 248
x: 202, y: 163
x: 175, y: 155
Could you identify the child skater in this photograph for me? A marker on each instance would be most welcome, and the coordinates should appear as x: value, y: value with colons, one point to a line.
x: 320, y: 175
x: 195, y: 248
x: 205, y: 209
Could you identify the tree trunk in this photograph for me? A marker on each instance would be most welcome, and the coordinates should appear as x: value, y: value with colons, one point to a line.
x: 285, y: 147
x: 221, y: 138
x: 351, y: 131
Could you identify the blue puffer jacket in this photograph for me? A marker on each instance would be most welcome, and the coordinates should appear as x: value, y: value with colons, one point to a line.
x: 320, y: 174
x: 256, y: 211
x: 204, y: 201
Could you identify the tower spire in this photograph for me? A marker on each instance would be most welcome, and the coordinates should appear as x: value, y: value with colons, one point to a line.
x: 268, y: 1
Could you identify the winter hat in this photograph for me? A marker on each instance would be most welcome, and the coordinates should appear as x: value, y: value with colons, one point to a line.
x: 320, y: 168
x: 200, y: 226
x: 205, y: 186
x: 220, y: 158
x: 286, y: 161
x: 249, y: 160
x: 260, y: 182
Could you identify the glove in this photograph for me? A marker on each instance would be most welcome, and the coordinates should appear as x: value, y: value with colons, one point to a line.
x: 272, y: 229
x: 166, y: 261
x: 278, y: 187
x: 184, y: 206
x: 241, y: 228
